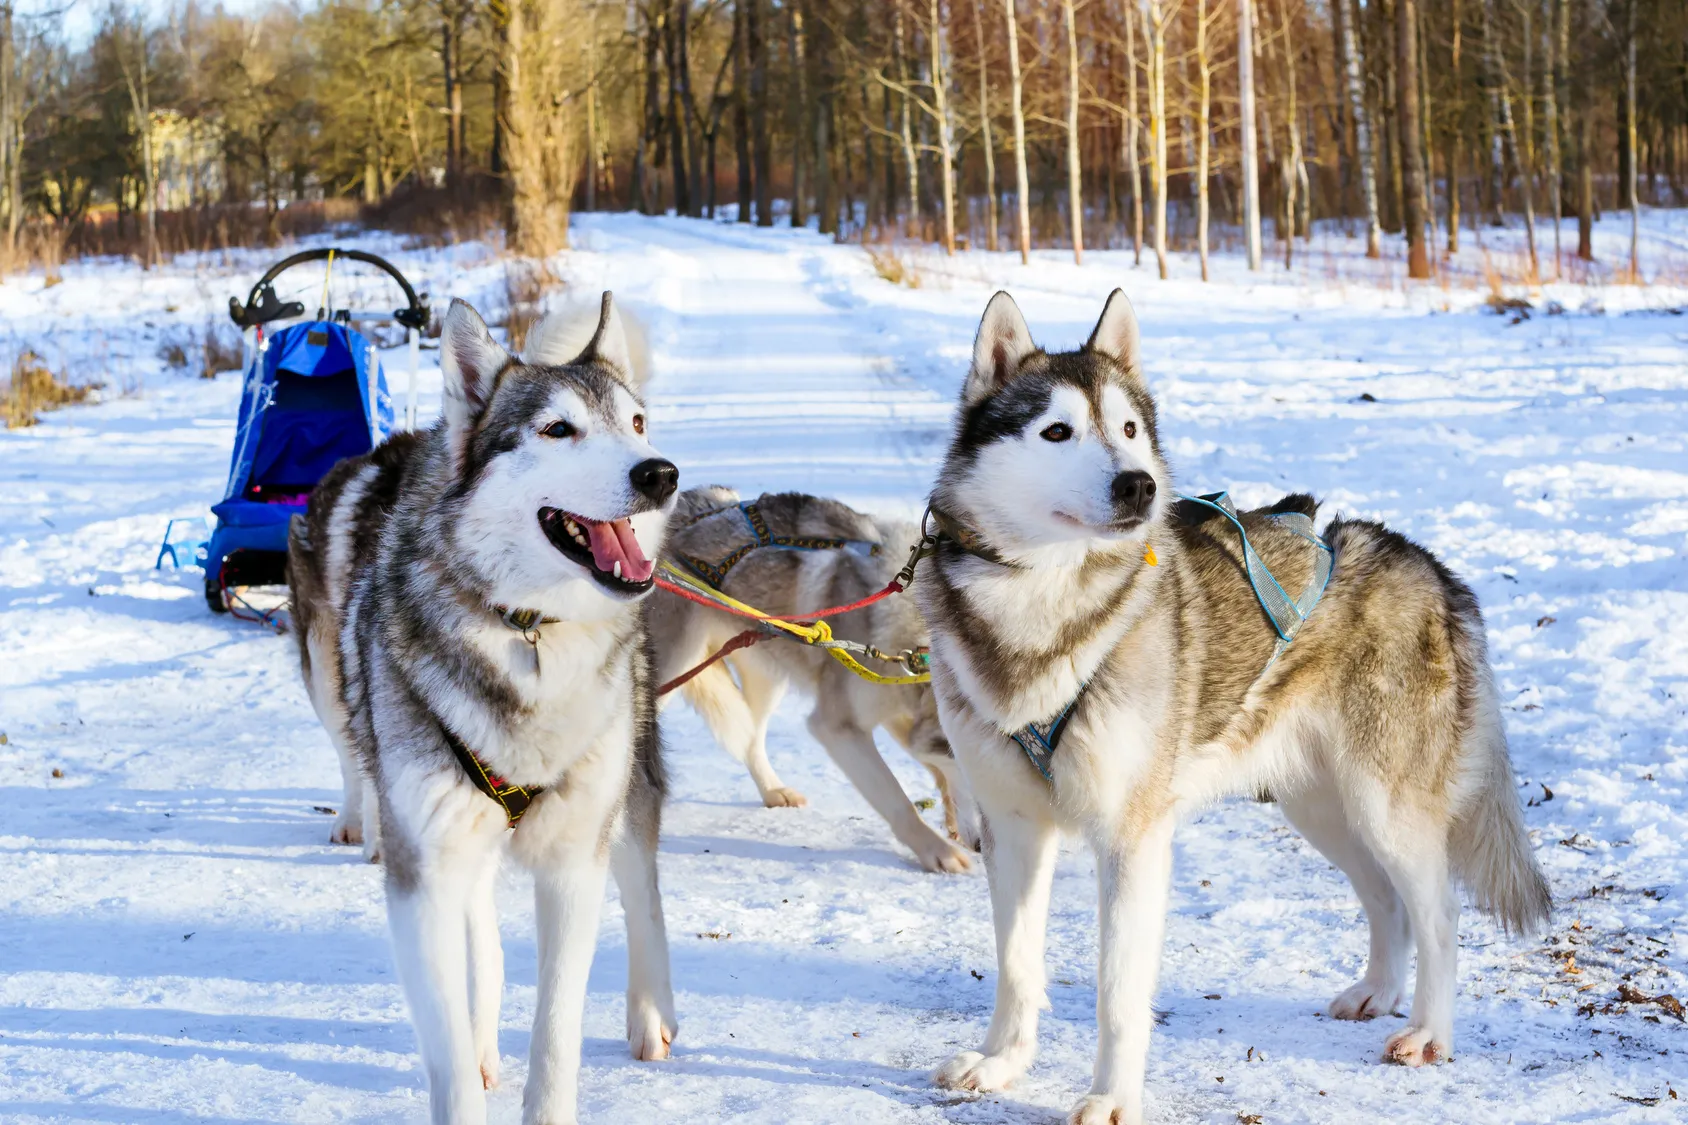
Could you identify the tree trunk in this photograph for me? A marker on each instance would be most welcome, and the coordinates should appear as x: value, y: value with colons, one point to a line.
x: 10, y: 174
x: 1132, y: 139
x: 1204, y: 71
x: 1022, y: 202
x: 1250, y: 144
x: 1157, y: 125
x: 1456, y: 131
x: 802, y: 139
x: 761, y: 143
x: 911, y: 161
x: 1295, y: 175
x: 1630, y: 132
x: 140, y: 101
x: 1412, y: 160
x: 741, y: 105
x: 1075, y: 183
x: 1558, y: 38
x: 946, y: 140
x: 1351, y: 64
x: 539, y: 129
x: 592, y: 109
x: 985, y: 140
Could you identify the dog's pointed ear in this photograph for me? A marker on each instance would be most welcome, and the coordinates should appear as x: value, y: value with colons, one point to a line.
x: 1116, y: 335
x: 609, y: 345
x: 470, y: 362
x: 1003, y: 343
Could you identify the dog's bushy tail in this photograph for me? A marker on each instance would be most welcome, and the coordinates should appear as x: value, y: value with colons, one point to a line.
x: 1490, y: 849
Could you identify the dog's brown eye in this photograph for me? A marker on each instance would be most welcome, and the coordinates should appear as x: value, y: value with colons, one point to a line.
x: 1131, y: 429
x: 559, y: 429
x: 1058, y: 431
x: 638, y: 423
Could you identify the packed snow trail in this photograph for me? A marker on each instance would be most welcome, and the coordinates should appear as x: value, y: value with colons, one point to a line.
x: 178, y: 943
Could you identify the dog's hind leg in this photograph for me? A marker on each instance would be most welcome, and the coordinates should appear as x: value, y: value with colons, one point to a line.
x: 1133, y: 877
x: 853, y: 749
x: 1413, y: 849
x: 741, y: 731
x: 1317, y: 812
x: 650, y: 993
x: 486, y: 971
x: 1020, y: 867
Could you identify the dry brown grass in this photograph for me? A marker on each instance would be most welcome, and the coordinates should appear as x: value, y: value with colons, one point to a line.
x: 33, y: 389
x: 527, y: 283
x: 891, y: 265
x: 219, y: 351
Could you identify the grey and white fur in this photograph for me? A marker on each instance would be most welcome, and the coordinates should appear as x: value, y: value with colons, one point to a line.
x: 537, y: 490
x: 737, y: 695
x: 1377, y: 730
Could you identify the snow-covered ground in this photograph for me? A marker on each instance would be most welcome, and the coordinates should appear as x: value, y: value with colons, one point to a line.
x: 179, y: 943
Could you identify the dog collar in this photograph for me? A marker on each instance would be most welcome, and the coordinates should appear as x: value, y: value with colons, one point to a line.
x: 513, y: 799
x: 968, y: 540
x: 524, y: 621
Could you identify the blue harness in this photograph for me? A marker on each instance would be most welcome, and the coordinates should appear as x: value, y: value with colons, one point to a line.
x: 1286, y: 614
x: 716, y: 573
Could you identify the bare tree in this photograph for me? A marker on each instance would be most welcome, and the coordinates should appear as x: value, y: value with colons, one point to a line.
x: 1351, y: 65
x: 136, y: 78
x: 1634, y: 152
x: 1158, y: 16
x: 985, y: 141
x: 1204, y: 73
x: 1250, y: 145
x: 1132, y: 139
x: 1016, y: 95
x: 1075, y: 185
x: 1412, y: 159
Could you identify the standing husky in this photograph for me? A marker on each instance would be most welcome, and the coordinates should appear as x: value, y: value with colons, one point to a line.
x: 1076, y: 627
x: 818, y: 553
x: 466, y: 602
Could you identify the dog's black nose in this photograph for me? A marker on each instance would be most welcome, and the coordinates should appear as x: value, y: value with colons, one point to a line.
x: 1133, y: 491
x: 655, y: 478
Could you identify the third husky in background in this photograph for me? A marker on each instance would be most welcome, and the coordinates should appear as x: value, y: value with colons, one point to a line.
x: 785, y: 554
x: 1104, y: 667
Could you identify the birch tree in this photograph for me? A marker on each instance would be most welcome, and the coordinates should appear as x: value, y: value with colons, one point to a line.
x: 1023, y: 211
x: 1075, y: 185
x: 1249, y: 144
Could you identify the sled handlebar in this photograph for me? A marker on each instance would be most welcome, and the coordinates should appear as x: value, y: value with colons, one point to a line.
x: 262, y: 306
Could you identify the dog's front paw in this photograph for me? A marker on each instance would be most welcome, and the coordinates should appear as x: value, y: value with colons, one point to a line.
x: 938, y: 854
x: 1365, y: 1001
x: 346, y: 830
x: 489, y: 1068
x: 1417, y: 1046
x: 972, y: 1071
x: 1103, y: 1109
x: 784, y: 798
x: 649, y: 1034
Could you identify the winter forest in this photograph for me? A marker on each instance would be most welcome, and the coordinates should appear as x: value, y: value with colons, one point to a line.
x: 1002, y: 124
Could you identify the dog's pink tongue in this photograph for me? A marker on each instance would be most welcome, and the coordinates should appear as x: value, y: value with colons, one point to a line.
x: 615, y: 543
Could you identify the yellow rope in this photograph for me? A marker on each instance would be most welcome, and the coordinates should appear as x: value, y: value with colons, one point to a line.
x: 820, y: 633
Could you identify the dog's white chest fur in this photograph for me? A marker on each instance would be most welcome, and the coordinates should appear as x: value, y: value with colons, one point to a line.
x: 572, y: 683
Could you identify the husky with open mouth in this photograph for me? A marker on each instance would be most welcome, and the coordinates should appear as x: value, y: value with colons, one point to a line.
x: 1103, y: 666
x: 468, y: 607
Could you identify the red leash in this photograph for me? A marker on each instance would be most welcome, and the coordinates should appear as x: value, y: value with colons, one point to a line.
x: 894, y: 587
x: 742, y: 640
x: 753, y: 636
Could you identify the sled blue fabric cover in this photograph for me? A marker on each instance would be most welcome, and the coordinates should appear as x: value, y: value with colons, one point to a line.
x: 315, y: 394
